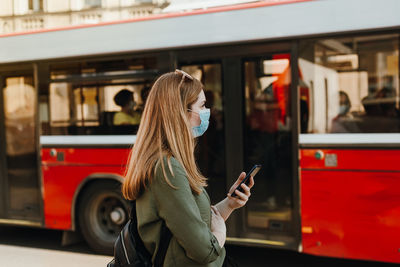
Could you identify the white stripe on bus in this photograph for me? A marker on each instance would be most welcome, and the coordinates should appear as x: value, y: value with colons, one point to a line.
x: 88, y: 140
x: 303, y: 139
x: 358, y: 139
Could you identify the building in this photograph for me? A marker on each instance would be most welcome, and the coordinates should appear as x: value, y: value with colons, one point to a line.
x: 32, y: 15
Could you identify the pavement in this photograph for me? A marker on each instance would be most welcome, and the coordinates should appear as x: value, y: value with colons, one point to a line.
x: 34, y: 247
x: 17, y: 256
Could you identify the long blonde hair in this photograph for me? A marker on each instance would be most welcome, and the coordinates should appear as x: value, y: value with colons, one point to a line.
x: 164, y: 131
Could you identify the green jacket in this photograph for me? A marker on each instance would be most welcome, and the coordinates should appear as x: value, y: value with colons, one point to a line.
x: 188, y: 217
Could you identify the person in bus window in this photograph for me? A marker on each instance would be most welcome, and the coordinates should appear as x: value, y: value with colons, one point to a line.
x: 387, y: 102
x: 163, y: 179
x: 127, y: 115
x: 387, y: 118
x: 381, y: 114
x: 344, y: 122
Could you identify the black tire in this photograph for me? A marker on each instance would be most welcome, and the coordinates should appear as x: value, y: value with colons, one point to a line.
x: 102, y: 213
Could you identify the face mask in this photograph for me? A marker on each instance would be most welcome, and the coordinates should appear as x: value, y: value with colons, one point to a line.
x: 204, y: 115
x: 343, y: 109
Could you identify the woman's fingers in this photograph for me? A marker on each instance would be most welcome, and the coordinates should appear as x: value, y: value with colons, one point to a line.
x: 251, y: 183
x: 238, y: 181
x: 241, y: 177
x: 242, y: 196
x: 246, y: 190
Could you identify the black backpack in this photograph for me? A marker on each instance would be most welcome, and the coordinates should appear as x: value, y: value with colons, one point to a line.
x: 129, y: 250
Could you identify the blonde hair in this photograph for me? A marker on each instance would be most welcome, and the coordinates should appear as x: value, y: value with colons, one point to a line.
x: 164, y: 131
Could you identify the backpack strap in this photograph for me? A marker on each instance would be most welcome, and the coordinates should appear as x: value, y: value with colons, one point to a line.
x: 163, y: 246
x: 165, y: 238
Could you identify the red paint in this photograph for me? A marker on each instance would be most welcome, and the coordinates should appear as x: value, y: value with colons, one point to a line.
x: 169, y: 15
x: 350, y: 211
x: 86, y: 156
x: 62, y: 179
x: 348, y: 159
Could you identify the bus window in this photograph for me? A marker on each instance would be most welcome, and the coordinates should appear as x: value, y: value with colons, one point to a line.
x: 210, y: 150
x: 268, y: 142
x: 122, y: 105
x: 20, y: 115
x: 59, y: 104
x: 19, y: 109
x: 85, y: 98
x: 355, y: 84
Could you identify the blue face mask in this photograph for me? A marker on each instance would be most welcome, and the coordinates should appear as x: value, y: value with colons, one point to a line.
x: 204, y: 115
x: 343, y: 109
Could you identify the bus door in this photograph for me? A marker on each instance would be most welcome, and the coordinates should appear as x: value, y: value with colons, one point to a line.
x: 268, y: 133
x: 20, y: 196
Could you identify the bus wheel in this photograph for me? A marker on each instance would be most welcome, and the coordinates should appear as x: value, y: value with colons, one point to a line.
x: 102, y: 214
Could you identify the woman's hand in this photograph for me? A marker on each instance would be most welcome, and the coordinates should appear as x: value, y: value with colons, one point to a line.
x: 229, y: 204
x: 218, y: 227
x: 241, y: 199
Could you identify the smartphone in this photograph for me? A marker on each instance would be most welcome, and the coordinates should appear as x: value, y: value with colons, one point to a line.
x: 246, y: 179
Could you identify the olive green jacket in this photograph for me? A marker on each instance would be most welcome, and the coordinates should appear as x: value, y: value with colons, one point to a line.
x: 187, y: 215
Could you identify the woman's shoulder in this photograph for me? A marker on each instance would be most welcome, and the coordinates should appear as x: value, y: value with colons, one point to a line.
x: 169, y: 161
x: 173, y: 170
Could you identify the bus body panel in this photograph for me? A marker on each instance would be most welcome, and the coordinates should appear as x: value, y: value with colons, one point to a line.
x: 86, y: 156
x: 350, y: 159
x: 78, y: 164
x: 352, y: 210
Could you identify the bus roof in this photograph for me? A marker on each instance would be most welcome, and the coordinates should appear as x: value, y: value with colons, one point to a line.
x: 221, y: 25
x: 166, y: 15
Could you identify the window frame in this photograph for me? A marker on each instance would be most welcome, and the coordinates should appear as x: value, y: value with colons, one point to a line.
x: 349, y: 140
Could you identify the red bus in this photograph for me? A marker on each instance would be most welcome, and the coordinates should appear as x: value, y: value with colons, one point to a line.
x: 308, y: 89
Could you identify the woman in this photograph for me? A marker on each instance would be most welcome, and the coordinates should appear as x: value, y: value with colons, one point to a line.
x: 163, y: 178
x: 127, y: 115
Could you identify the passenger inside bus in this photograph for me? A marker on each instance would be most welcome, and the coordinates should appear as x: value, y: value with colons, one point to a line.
x: 381, y: 113
x: 388, y: 102
x: 128, y: 115
x: 344, y: 121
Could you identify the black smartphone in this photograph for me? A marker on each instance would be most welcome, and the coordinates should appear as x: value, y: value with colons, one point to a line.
x: 246, y: 179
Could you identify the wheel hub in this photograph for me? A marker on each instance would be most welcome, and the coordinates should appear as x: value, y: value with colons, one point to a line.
x: 118, y: 215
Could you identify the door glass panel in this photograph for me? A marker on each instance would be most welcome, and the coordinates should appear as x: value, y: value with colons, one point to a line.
x: 20, y: 111
x: 268, y: 142
x: 210, y: 150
